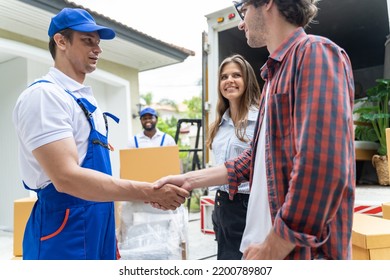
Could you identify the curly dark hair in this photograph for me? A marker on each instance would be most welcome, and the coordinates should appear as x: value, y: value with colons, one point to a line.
x: 297, y: 12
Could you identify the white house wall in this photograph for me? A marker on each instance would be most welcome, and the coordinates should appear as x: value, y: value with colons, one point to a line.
x: 12, y: 80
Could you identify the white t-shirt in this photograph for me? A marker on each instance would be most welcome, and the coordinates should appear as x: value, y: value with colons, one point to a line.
x: 146, y: 142
x: 258, y: 217
x: 45, y: 113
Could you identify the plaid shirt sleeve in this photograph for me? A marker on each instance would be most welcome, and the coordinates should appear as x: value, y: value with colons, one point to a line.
x: 238, y: 171
x: 323, y: 143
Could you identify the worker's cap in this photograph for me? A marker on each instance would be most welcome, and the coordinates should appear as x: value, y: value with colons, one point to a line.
x: 78, y: 20
x: 149, y: 111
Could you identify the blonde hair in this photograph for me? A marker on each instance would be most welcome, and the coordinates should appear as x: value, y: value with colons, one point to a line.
x: 249, y: 98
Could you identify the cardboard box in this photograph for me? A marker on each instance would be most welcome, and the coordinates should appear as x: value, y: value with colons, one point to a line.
x: 22, y: 211
x: 206, y: 210
x: 149, y: 164
x: 386, y: 210
x: 370, y: 238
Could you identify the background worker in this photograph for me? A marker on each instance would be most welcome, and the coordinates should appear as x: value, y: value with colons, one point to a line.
x: 229, y: 135
x: 151, y: 136
x: 64, y: 152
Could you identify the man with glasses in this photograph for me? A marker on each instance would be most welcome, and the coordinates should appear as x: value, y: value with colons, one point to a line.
x: 239, y: 8
x: 311, y: 193
x: 301, y: 163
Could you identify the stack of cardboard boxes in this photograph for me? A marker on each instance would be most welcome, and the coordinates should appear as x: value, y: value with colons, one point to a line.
x: 22, y: 210
x: 371, y: 236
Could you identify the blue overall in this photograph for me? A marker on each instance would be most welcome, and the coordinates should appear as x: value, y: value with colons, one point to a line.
x: 64, y: 227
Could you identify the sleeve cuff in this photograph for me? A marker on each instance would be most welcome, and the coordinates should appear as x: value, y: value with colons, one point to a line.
x: 232, y: 179
x: 298, y: 238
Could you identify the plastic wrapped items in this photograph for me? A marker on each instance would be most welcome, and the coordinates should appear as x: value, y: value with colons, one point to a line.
x: 146, y: 233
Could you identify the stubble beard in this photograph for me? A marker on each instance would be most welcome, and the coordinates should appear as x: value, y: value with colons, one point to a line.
x: 257, y: 39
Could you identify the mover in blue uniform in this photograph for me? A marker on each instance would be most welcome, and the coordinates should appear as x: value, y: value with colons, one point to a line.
x: 151, y: 136
x: 64, y: 152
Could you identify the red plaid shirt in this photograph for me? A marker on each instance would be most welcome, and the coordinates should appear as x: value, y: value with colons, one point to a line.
x: 310, y: 154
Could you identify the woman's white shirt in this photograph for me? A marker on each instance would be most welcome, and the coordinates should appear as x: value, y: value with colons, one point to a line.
x: 226, y: 144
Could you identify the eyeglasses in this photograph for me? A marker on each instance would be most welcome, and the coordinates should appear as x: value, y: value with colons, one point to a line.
x: 239, y: 8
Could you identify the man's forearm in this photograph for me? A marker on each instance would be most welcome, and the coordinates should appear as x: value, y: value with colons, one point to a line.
x: 273, y: 248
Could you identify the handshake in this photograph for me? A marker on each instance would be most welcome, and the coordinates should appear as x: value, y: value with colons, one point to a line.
x: 171, y: 192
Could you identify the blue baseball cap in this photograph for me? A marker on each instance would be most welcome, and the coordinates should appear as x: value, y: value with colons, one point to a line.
x: 78, y: 20
x: 149, y: 111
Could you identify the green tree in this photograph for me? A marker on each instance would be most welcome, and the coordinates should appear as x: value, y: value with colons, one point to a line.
x: 168, y: 125
x: 194, y: 107
x: 169, y: 102
x: 148, y: 98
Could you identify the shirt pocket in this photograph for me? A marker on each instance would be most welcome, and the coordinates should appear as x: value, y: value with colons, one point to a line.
x: 237, y: 147
x: 280, y: 118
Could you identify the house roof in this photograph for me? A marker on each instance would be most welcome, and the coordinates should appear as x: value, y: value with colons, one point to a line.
x: 131, y: 48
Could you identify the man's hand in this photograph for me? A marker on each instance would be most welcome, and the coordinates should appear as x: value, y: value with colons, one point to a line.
x: 273, y: 248
x: 213, y: 176
x: 178, y: 180
x: 169, y: 197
